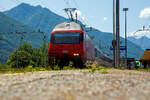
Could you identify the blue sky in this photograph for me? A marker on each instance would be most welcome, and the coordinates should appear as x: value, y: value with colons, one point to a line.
x: 98, y: 13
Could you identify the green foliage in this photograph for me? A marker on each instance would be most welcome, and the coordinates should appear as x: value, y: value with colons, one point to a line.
x: 36, y: 57
x: 145, y: 70
x: 48, y: 19
x: 2, y: 66
x: 70, y: 64
x: 102, y: 67
x: 130, y: 73
x: 30, y: 67
x: 88, y: 64
x: 43, y: 53
x: 56, y: 67
x: 103, y: 71
x: 25, y: 47
x: 94, y: 68
x: 122, y: 68
x: 11, y: 70
x: 59, y: 67
x: 26, y: 55
x: 68, y: 68
x: 23, y: 55
x: 90, y: 71
x: 9, y: 42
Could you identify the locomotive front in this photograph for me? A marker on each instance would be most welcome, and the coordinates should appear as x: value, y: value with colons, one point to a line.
x: 66, y: 43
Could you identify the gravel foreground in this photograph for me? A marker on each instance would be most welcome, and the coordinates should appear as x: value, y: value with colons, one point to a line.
x: 76, y: 85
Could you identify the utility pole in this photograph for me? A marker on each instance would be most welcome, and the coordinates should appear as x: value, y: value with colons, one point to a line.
x: 117, y: 34
x: 44, y: 39
x: 21, y: 39
x: 114, y: 36
x: 45, y: 50
x: 126, y: 56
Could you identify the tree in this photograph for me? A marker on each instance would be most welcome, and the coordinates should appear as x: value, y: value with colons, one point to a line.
x: 26, y: 47
x: 36, y: 57
x: 23, y: 55
x: 44, y: 54
x: 26, y: 55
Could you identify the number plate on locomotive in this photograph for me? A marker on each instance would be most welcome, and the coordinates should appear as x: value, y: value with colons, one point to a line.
x: 65, y: 51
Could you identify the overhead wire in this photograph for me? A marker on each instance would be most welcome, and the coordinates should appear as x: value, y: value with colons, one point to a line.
x: 76, y: 4
x: 67, y: 3
x: 85, y: 21
x: 82, y: 19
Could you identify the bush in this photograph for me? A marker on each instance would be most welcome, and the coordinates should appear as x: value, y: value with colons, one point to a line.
x: 30, y: 67
x: 56, y: 67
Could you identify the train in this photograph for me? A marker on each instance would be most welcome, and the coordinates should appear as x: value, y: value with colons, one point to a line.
x: 69, y: 42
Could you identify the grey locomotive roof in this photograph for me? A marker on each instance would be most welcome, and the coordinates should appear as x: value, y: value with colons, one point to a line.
x: 67, y: 26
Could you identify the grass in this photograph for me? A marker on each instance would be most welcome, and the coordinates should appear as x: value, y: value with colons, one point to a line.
x: 101, y: 69
x: 145, y: 70
x: 4, y: 69
x: 130, y: 73
x: 138, y: 69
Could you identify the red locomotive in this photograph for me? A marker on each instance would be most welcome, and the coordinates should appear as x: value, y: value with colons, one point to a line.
x: 70, y: 42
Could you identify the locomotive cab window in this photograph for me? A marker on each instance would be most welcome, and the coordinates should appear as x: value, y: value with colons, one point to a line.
x: 67, y: 38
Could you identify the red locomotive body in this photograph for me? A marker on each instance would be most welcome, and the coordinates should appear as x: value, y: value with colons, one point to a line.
x: 69, y: 42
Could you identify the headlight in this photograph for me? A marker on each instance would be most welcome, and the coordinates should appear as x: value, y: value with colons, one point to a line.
x: 76, y: 54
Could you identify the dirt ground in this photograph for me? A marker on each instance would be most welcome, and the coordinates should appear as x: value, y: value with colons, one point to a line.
x: 76, y: 85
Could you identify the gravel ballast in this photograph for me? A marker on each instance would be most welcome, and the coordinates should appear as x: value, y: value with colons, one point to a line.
x: 76, y: 85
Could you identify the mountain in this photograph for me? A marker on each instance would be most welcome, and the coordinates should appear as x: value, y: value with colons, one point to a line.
x: 9, y: 40
x: 141, y: 38
x: 44, y: 19
x: 35, y: 17
x: 144, y: 32
x: 104, y: 41
x: 143, y: 42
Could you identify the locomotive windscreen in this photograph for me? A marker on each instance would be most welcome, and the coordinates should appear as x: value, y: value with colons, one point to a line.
x: 66, y: 38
